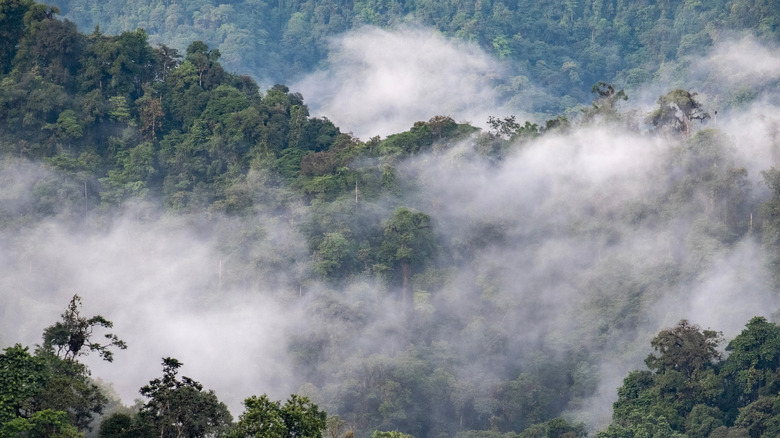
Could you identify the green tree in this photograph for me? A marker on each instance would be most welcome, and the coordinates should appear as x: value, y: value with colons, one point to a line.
x: 408, y: 244
x: 641, y: 425
x: 131, y: 176
x: 702, y: 421
x: 605, y: 105
x: 50, y: 47
x: 37, y: 391
x: 22, y: 376
x: 754, y: 360
x: 42, y: 424
x: 686, y: 348
x: 392, y: 434
x: 73, y: 336
x: 204, y: 60
x: 676, y: 110
x: 11, y: 29
x: 760, y: 418
x: 180, y: 408
x: 120, y: 110
x: 264, y: 418
x: 67, y: 127
x: 121, y: 425
x: 334, y: 255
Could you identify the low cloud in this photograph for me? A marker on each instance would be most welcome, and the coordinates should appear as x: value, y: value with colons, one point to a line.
x: 379, y: 82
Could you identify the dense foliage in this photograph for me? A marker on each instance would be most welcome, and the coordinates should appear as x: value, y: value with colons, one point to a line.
x: 558, y: 49
x: 692, y: 391
x: 124, y: 128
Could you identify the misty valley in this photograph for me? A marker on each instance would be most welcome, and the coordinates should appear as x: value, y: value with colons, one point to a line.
x: 458, y: 219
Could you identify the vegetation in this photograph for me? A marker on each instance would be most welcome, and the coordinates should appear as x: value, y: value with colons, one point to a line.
x: 117, y: 125
x: 556, y: 49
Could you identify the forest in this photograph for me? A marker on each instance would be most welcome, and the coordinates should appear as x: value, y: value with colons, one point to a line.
x: 607, y: 267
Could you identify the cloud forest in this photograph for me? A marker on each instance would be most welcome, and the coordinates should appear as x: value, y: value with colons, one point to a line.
x: 384, y: 219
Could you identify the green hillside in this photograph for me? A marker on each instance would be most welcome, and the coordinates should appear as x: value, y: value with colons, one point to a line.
x: 555, y: 50
x: 444, y: 281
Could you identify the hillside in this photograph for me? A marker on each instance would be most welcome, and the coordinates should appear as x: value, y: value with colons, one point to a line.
x: 442, y: 281
x: 554, y: 50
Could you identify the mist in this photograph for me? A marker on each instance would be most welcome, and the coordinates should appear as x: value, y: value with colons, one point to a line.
x: 573, y: 224
x: 379, y: 82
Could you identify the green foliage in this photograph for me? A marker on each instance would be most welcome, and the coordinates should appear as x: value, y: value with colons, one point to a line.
x: 676, y: 110
x: 180, y: 407
x: 12, y: 13
x: 42, y: 424
x: 22, y: 376
x: 67, y: 125
x: 334, y: 254
x: 563, y: 45
x: 685, y: 348
x: 121, y: 121
x: 393, y: 434
x: 754, y: 359
x: 50, y: 395
x: 120, y: 425
x: 298, y: 417
x: 129, y: 179
x: 702, y: 421
x: 690, y: 393
x: 408, y: 244
x: 72, y: 337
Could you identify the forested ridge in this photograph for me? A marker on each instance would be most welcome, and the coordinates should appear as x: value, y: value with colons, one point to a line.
x: 556, y: 50
x: 443, y: 281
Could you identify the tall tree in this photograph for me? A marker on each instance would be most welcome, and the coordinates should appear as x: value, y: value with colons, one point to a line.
x: 408, y: 245
x: 676, y: 110
x: 685, y: 348
x: 264, y: 418
x: 11, y: 29
x: 73, y: 336
x: 180, y: 408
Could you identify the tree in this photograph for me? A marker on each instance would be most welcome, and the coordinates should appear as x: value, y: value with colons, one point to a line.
x: 408, y: 244
x: 685, y: 348
x: 119, y: 425
x: 759, y: 416
x: 72, y: 337
x: 50, y: 47
x: 393, y: 434
x: 37, y: 391
x: 702, y: 420
x: 605, y: 105
x: 120, y: 110
x: 180, y: 408
x: 334, y: 255
x: 676, y: 110
x: 263, y: 418
x: 168, y: 60
x: 11, y: 29
x: 754, y: 359
x: 151, y: 115
x: 42, y: 424
x: 22, y: 376
x: 642, y: 425
x: 508, y: 128
x: 202, y: 58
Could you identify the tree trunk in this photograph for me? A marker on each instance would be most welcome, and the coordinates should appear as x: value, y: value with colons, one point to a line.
x: 406, y: 271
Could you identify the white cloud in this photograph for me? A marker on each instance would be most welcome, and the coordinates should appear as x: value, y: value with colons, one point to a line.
x: 379, y: 82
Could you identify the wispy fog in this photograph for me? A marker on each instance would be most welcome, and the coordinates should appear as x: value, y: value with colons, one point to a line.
x: 379, y: 82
